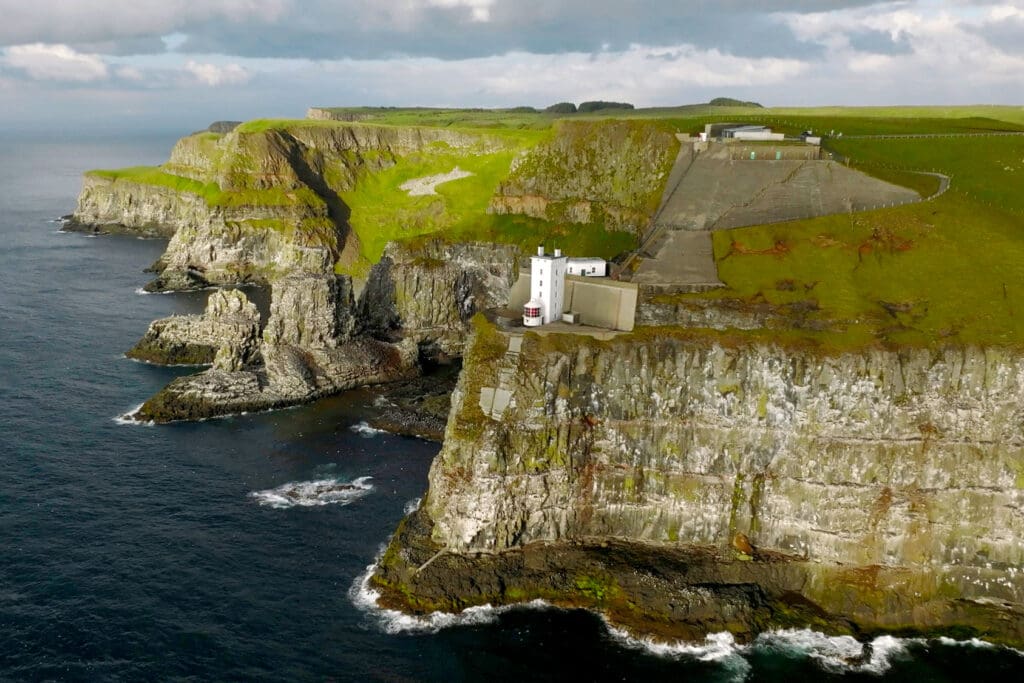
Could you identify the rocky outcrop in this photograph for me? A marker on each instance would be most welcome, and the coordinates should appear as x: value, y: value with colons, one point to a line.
x: 611, y: 174
x: 429, y: 291
x: 119, y: 205
x: 868, y: 491
x: 307, y: 351
x: 230, y: 322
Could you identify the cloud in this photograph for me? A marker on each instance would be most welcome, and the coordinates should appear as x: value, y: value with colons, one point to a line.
x: 130, y: 73
x: 214, y: 75
x: 88, y: 21
x: 371, y: 29
x: 55, y: 63
x: 480, y: 10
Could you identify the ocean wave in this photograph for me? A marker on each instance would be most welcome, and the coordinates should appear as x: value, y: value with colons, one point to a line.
x: 364, y: 430
x: 130, y: 419
x: 412, y: 506
x: 314, y: 493
x: 715, y: 648
x: 836, y: 653
x: 393, y: 622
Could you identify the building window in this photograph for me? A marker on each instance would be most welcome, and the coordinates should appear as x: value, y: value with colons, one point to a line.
x: 540, y: 284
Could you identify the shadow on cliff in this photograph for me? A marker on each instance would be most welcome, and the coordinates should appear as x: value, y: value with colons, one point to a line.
x: 337, y: 210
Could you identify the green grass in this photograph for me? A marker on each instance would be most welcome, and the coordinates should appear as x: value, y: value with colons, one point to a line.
x: 210, y: 192
x: 691, y: 118
x: 951, y: 270
x: 510, y: 132
x: 154, y: 175
x: 383, y: 212
x: 986, y: 170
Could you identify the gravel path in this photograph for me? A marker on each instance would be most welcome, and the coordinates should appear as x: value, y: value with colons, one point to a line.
x: 418, y: 187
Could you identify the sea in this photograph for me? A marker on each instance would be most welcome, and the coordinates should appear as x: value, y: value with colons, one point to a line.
x: 237, y: 549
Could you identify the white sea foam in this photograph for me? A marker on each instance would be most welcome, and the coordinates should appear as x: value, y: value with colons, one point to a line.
x: 973, y: 642
x: 382, y: 402
x: 715, y: 648
x: 412, y: 506
x: 142, y: 361
x: 364, y: 430
x: 364, y: 597
x: 314, y: 493
x: 130, y: 419
x: 836, y: 653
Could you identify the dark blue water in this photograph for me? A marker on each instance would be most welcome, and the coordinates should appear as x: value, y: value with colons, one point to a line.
x: 139, y: 553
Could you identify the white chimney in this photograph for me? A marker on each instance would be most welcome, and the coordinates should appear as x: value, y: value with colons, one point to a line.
x: 558, y: 252
x: 540, y: 250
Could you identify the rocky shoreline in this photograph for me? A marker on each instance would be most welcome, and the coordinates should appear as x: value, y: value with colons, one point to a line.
x: 674, y: 593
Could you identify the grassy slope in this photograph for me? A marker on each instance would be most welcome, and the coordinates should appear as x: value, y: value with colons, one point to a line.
x: 947, y: 270
x: 382, y: 212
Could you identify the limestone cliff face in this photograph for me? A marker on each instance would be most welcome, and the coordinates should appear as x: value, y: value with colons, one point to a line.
x: 429, y: 292
x: 120, y: 205
x: 889, y: 485
x: 610, y: 173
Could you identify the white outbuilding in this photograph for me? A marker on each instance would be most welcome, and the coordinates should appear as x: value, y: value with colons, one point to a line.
x: 587, y: 267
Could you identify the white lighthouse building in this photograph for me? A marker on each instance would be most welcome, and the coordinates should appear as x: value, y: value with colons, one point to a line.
x: 547, y: 288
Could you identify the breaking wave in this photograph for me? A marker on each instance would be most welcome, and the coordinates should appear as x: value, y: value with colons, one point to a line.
x: 130, y: 419
x: 393, y: 622
x: 364, y: 430
x: 313, y: 493
x: 836, y: 653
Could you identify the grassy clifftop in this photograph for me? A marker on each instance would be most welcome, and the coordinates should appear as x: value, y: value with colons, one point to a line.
x: 945, y: 271
x: 357, y: 174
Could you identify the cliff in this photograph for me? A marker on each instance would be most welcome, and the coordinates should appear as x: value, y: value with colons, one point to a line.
x: 683, y: 485
x: 429, y: 290
x: 318, y: 340
x: 610, y: 173
x: 308, y: 349
x: 236, y: 206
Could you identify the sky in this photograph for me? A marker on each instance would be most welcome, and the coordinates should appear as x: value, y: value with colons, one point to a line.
x: 184, y: 63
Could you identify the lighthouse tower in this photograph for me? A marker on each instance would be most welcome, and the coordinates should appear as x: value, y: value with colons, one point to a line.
x: 547, y: 288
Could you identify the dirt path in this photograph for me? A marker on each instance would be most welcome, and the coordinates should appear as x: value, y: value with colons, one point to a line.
x: 418, y: 187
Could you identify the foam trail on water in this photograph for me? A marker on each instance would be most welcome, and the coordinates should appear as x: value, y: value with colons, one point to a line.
x: 364, y: 430
x: 313, y: 493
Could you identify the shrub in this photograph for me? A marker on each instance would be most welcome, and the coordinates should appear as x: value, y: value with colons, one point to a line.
x: 598, y: 105
x: 562, y: 108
